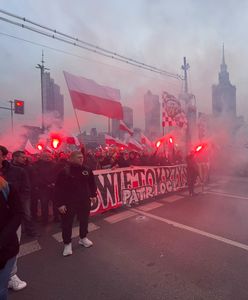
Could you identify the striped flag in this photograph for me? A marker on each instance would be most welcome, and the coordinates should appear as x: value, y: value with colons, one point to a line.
x: 124, y: 127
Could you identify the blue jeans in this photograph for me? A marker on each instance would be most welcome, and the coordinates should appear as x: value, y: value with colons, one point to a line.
x: 4, y: 278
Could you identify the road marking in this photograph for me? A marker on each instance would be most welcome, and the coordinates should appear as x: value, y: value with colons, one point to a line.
x: 173, y: 198
x: 120, y: 217
x: 150, y: 206
x: 220, y: 192
x: 75, y: 232
x: 192, y: 229
x: 28, y: 248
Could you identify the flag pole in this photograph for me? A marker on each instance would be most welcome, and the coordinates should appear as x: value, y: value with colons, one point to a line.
x: 109, y: 125
x: 77, y: 120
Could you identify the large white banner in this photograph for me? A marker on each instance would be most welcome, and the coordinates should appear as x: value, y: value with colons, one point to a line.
x: 134, y: 184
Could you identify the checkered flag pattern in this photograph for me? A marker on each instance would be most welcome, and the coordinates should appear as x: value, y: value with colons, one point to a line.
x: 179, y: 120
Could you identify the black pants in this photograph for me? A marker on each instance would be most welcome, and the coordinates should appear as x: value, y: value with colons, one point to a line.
x: 82, y: 213
x: 191, y: 182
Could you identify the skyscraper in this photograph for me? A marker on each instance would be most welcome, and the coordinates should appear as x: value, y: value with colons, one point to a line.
x: 224, y: 94
x: 53, y: 99
x: 152, y: 115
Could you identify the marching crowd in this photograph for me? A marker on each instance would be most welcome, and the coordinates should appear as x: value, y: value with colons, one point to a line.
x: 33, y: 185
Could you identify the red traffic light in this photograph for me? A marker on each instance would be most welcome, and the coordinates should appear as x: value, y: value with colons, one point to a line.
x: 171, y: 140
x: 19, y: 107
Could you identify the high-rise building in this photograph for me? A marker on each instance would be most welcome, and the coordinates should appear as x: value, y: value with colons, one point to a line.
x: 53, y: 100
x: 127, y: 119
x: 152, y: 115
x: 224, y: 94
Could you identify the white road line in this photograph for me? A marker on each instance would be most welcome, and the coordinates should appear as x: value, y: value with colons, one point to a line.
x: 120, y: 216
x: 219, y: 192
x: 75, y: 232
x: 194, y: 230
x: 28, y: 248
x: 150, y: 206
x: 172, y: 198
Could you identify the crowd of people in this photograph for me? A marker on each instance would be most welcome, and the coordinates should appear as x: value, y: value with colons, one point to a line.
x: 56, y: 187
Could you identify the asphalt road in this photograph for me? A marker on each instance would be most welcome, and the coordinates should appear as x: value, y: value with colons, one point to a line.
x: 176, y: 247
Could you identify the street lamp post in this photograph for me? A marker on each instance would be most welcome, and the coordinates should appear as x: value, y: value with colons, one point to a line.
x: 42, y: 69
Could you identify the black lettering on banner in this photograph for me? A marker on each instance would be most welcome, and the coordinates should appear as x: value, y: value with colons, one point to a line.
x: 140, y: 173
x: 136, y: 184
x: 105, y: 184
x: 150, y: 175
x: 158, y: 174
x: 127, y: 178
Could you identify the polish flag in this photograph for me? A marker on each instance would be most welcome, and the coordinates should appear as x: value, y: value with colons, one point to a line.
x: 110, y: 140
x: 146, y: 141
x: 119, y: 143
x: 87, y: 95
x: 134, y: 145
x: 124, y: 127
x: 72, y: 140
x: 29, y: 148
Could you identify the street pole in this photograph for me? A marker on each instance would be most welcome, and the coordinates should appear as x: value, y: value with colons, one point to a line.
x: 42, y: 69
x: 11, y: 115
x: 185, y: 68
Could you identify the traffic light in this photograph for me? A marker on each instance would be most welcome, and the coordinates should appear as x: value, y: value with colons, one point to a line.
x: 19, y: 107
x: 171, y: 140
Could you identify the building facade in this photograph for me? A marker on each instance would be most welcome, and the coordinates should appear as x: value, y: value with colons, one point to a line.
x: 224, y: 94
x: 53, y: 101
x: 152, y: 115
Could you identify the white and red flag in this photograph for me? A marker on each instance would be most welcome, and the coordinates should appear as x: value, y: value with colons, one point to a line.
x: 124, y: 127
x: 120, y: 143
x: 87, y: 95
x: 29, y: 148
x: 72, y: 140
x: 110, y: 140
x: 134, y: 145
x: 145, y: 141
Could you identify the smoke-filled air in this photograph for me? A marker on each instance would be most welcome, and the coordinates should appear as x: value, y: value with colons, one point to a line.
x: 163, y: 68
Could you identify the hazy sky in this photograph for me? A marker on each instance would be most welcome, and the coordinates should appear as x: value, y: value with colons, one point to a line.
x: 157, y: 32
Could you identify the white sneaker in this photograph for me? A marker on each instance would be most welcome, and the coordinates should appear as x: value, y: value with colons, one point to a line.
x: 85, y: 242
x: 67, y: 250
x: 16, y: 284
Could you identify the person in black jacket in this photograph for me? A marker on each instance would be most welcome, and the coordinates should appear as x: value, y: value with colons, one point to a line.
x: 192, y: 172
x: 75, y: 188
x: 19, y: 160
x: 45, y: 174
x: 16, y: 177
x: 10, y: 220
